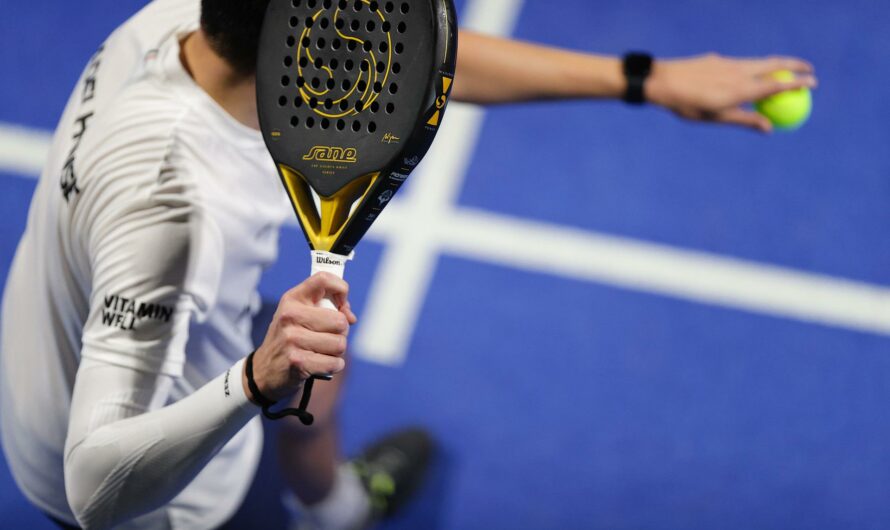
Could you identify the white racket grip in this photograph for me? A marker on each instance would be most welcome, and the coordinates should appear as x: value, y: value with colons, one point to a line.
x: 331, y: 263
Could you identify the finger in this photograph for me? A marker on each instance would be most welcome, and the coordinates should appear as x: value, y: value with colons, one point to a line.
x: 769, y: 86
x: 307, y: 364
x: 769, y: 65
x: 321, y: 320
x: 346, y: 308
x: 745, y: 118
x: 332, y: 344
x: 320, y: 286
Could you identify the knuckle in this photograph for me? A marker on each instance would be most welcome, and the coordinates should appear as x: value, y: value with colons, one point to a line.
x: 339, y: 365
x: 294, y: 335
x: 341, y: 345
x: 342, y: 323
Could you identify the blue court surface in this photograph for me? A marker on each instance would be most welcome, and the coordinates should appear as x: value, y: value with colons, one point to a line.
x: 621, y: 320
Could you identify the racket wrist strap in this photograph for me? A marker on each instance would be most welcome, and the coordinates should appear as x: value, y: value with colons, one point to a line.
x: 266, y: 404
x: 636, y: 67
x: 258, y: 396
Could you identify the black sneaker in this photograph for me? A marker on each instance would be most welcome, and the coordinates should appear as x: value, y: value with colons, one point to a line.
x: 393, y: 469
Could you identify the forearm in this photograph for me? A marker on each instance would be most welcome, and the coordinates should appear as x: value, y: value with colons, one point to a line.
x: 495, y: 70
x: 131, y: 466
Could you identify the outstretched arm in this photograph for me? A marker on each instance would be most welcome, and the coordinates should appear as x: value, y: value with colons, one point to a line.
x: 492, y: 70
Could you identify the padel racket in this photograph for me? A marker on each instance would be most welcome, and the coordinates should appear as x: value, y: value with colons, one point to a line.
x: 350, y: 96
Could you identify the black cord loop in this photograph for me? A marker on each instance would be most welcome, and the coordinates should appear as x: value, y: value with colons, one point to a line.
x: 305, y: 417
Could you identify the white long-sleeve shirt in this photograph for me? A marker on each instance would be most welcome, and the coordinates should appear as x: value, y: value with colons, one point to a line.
x: 132, y: 294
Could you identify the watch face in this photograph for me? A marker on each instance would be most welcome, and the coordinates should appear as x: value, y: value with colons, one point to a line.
x: 638, y: 64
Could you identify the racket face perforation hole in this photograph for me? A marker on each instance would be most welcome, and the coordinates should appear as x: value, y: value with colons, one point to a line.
x: 348, y: 73
x: 294, y: 121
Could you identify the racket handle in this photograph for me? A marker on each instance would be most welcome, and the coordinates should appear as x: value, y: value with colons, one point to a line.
x: 331, y: 263
x: 334, y: 264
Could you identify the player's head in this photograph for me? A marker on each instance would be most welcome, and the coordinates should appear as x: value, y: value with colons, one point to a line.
x: 233, y: 27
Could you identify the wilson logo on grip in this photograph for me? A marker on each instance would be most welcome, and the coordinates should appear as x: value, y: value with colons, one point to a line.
x: 332, y: 154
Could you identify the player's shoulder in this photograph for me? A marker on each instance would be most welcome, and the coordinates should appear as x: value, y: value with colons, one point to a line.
x: 137, y: 133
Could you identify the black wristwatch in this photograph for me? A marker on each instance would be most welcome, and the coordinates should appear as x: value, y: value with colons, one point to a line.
x: 637, y: 67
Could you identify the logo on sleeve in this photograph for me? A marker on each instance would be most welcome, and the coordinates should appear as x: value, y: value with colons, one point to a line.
x: 130, y: 313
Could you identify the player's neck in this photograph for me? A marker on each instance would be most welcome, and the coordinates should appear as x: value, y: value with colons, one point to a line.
x: 234, y: 92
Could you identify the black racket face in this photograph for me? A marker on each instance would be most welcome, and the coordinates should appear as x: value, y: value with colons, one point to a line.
x: 351, y: 92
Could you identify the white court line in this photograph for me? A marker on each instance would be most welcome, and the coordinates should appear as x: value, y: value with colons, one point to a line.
x: 412, y: 252
x: 22, y: 150
x: 424, y: 222
x: 410, y: 226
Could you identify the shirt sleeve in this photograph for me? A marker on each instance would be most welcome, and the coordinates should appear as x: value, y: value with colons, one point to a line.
x: 155, y: 259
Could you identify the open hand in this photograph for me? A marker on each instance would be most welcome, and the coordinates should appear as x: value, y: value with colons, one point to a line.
x: 713, y: 88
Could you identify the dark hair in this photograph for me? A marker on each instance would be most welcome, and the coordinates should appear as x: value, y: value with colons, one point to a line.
x: 233, y: 28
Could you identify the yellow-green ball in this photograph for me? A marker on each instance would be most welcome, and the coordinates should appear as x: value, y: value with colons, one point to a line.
x: 787, y: 110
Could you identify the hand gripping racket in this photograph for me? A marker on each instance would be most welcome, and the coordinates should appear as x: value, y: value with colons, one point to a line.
x: 350, y: 96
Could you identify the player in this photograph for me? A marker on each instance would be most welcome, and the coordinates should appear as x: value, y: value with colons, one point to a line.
x: 127, y: 312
